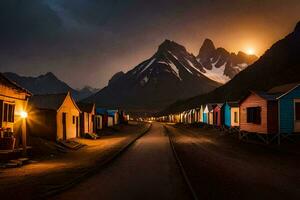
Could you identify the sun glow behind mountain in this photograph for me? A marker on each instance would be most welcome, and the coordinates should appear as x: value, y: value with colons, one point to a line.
x: 250, y: 51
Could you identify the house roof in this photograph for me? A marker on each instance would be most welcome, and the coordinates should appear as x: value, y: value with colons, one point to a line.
x: 48, y: 101
x: 283, y: 88
x: 86, y: 107
x: 112, y: 112
x: 11, y: 84
x: 101, y: 111
x: 233, y: 104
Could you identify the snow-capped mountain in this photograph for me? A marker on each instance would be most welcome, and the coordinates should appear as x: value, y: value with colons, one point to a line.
x: 169, y: 75
x: 219, y: 64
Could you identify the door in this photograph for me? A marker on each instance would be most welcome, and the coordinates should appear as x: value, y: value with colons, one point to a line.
x: 77, y: 126
x: 217, y: 119
x: 297, y: 116
x: 64, y: 123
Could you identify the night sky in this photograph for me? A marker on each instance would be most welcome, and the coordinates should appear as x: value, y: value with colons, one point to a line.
x: 84, y: 42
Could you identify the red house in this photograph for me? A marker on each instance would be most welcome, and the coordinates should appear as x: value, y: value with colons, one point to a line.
x: 217, y: 114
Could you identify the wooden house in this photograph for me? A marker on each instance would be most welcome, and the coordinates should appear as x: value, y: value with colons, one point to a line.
x: 210, y: 114
x: 113, y: 117
x: 102, y: 114
x: 54, y: 117
x: 13, y: 106
x: 217, y: 116
x: 205, y: 114
x: 258, y: 113
x: 200, y: 114
x: 87, y: 118
x: 288, y: 97
x: 230, y: 114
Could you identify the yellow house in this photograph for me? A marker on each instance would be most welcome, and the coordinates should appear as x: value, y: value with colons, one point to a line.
x: 13, y: 104
x: 54, y: 116
x: 87, y: 117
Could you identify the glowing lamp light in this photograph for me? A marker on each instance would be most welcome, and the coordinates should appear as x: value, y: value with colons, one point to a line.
x: 23, y: 114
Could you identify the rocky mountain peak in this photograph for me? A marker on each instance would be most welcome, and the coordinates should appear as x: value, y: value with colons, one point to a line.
x: 172, y: 46
x: 207, y: 47
x: 297, y: 28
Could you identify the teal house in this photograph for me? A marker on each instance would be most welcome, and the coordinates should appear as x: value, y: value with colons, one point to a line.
x: 288, y: 107
x: 227, y: 112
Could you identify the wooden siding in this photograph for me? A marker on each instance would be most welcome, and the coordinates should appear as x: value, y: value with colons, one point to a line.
x: 227, y: 115
x: 205, y: 118
x: 232, y: 111
x: 272, y: 117
x: 253, y: 100
x: 71, y: 110
x: 217, y: 116
x: 286, y: 111
x: 211, y: 118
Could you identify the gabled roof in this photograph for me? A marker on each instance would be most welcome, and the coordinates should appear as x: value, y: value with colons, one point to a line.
x: 233, y: 104
x: 48, y: 101
x: 86, y: 107
x: 11, y: 84
x: 284, y: 89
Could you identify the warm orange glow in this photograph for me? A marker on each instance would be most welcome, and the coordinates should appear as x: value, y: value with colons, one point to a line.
x: 250, y: 51
x: 23, y: 114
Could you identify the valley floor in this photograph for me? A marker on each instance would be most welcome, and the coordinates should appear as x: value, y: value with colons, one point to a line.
x: 49, y: 174
x: 221, y: 167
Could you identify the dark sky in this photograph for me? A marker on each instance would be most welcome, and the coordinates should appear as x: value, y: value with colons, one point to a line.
x: 84, y: 42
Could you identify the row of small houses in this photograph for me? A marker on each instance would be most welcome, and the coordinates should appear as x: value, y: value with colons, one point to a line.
x: 51, y: 116
x: 270, y: 114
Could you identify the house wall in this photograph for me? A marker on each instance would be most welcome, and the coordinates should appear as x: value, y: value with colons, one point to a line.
x: 205, y: 118
x: 98, y: 122
x: 227, y: 115
x: 211, y: 118
x: 110, y: 121
x: 116, y: 118
x: 253, y: 101
x: 231, y: 118
x: 42, y: 123
x: 86, y: 122
x: 217, y: 116
x: 272, y: 117
x: 201, y: 114
x: 71, y: 110
x: 286, y: 111
x: 19, y: 99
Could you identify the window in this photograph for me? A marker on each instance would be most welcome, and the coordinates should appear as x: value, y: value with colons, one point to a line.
x: 73, y: 119
x: 254, y: 115
x: 8, y: 112
x: 297, y: 110
x: 235, y: 117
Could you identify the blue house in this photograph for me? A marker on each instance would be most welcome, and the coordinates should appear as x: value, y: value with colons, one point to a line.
x: 229, y: 110
x: 288, y: 107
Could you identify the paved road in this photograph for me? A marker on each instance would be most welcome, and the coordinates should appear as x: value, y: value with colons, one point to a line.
x: 147, y: 170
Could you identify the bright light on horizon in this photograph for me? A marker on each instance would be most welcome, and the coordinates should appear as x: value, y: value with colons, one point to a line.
x: 250, y: 51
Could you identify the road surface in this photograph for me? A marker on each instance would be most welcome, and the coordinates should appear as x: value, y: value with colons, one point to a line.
x: 147, y: 170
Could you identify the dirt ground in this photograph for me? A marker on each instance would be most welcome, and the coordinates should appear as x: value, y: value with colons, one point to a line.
x: 147, y: 170
x: 222, y: 167
x: 48, y: 173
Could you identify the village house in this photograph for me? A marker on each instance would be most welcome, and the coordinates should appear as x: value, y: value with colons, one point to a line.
x: 230, y: 114
x: 87, y: 118
x: 54, y: 117
x: 259, y: 113
x: 101, y: 118
x: 288, y: 97
x: 114, y: 114
x: 217, y: 114
x: 13, y: 113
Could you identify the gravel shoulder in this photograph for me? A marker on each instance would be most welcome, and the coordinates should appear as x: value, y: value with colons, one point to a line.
x: 221, y: 167
x: 47, y: 174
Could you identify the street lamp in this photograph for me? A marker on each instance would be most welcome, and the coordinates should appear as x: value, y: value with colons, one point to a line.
x: 24, y: 115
